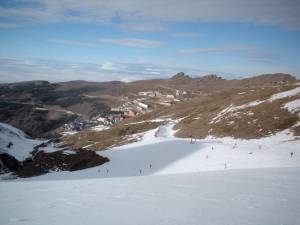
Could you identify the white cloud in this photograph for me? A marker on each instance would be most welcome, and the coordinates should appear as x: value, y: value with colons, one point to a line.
x: 185, y: 34
x: 142, y: 27
x: 73, y: 42
x: 227, y: 48
x: 267, y: 12
x: 250, y: 52
x: 110, y: 66
x: 129, y: 42
x: 201, y: 50
x: 133, y: 42
x: 8, y: 25
x: 13, y: 70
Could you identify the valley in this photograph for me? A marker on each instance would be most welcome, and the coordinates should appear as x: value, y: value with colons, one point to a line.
x: 174, y: 151
x: 87, y: 117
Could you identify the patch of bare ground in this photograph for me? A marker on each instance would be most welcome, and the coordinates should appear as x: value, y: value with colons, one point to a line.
x: 197, y: 114
x: 115, y: 136
x: 252, y: 122
x: 255, y: 122
x: 296, y: 131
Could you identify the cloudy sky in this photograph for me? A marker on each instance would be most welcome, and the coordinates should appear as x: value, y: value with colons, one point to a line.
x: 99, y: 40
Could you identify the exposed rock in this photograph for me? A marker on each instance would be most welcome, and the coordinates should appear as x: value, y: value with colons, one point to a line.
x: 65, y: 160
x: 210, y: 77
x: 8, y: 163
x: 180, y: 76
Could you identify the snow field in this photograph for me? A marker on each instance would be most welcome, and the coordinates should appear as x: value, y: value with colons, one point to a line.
x: 160, y: 153
x: 232, y: 197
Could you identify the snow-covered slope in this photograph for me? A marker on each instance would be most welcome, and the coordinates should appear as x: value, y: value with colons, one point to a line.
x: 235, y: 197
x: 229, y: 195
x: 166, y: 180
x: 21, y: 144
x: 161, y: 153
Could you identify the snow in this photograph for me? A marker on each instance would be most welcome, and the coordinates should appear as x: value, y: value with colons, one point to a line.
x: 40, y: 109
x: 217, y: 118
x: 142, y: 105
x: 166, y: 180
x: 166, y: 154
x: 22, y: 145
x: 51, y: 147
x: 69, y: 152
x: 100, y: 127
x: 65, y: 133
x: 146, y: 121
x: 259, y: 196
x: 250, y: 113
x: 285, y: 94
x: 293, y: 106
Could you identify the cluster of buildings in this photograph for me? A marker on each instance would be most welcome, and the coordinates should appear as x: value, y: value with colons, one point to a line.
x: 145, y: 103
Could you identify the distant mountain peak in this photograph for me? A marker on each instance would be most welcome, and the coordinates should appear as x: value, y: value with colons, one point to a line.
x: 211, y: 77
x: 181, y: 75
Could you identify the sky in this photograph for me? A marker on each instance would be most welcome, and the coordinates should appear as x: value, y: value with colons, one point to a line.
x: 100, y: 40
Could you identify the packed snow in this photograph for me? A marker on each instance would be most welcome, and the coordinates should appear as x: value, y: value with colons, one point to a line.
x: 252, y: 197
x: 160, y: 153
x: 167, y: 180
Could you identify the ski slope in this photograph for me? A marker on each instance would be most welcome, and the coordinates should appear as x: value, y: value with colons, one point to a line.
x: 164, y: 180
x: 232, y: 197
x: 163, y: 154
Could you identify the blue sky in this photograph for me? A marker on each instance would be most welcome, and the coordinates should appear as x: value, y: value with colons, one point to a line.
x: 130, y: 39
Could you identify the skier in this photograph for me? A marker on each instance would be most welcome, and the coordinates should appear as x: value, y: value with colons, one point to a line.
x: 9, y: 144
x: 191, y: 136
x: 292, y: 153
x: 107, y: 171
x: 140, y: 171
x: 150, y: 166
x: 212, y: 147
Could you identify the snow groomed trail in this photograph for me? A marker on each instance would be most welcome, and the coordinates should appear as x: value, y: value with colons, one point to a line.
x: 232, y: 197
x: 160, y: 153
x: 164, y: 180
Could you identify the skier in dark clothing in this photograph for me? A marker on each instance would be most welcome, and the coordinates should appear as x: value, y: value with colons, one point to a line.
x: 9, y: 144
x: 292, y: 153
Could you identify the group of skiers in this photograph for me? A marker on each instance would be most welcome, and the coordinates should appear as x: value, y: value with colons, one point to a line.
x: 140, y: 170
